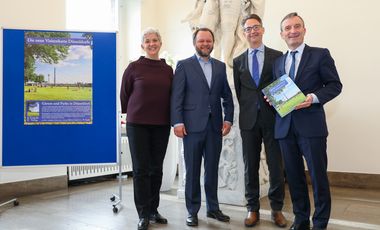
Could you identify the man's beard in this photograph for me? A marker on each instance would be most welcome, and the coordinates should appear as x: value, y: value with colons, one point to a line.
x: 203, y: 54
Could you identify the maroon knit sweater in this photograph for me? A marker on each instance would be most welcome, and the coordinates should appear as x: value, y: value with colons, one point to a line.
x: 145, y: 92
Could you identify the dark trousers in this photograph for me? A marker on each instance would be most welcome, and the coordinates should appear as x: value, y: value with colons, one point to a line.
x: 294, y: 147
x: 147, y: 144
x: 262, y: 131
x: 206, y: 144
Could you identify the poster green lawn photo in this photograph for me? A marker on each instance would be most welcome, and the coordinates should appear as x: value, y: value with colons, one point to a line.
x: 284, y: 95
x: 58, y: 93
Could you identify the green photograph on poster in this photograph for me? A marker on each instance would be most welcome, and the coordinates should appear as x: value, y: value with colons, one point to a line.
x: 57, y: 78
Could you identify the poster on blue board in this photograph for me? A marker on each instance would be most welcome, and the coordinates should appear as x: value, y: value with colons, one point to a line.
x: 58, y: 78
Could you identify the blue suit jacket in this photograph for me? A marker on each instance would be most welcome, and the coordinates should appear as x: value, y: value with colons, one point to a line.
x: 316, y: 74
x: 192, y: 99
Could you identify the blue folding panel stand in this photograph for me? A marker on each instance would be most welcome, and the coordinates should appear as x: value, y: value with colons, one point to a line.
x: 72, y: 144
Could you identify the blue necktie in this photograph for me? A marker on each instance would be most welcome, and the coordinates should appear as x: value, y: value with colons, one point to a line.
x: 255, y: 68
x: 293, y: 65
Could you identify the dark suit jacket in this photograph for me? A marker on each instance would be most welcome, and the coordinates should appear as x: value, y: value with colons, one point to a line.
x: 247, y: 93
x: 316, y: 74
x: 192, y: 99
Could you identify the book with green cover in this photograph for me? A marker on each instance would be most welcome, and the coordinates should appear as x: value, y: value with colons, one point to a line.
x: 284, y: 95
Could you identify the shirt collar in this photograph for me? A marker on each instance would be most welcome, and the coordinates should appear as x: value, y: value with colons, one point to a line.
x: 200, y: 59
x: 260, y: 48
x: 299, y: 49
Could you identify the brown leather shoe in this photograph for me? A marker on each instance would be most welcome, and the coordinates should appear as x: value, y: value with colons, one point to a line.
x: 252, y: 219
x: 279, y: 219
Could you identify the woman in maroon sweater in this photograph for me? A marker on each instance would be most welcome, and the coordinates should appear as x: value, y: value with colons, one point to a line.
x: 145, y: 97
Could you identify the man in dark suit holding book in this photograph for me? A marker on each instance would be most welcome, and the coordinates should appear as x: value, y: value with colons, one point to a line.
x: 253, y: 72
x: 303, y: 132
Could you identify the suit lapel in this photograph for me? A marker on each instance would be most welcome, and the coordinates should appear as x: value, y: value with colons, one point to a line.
x: 213, y: 73
x: 245, y: 60
x: 304, y: 59
x: 246, y: 68
x: 266, y: 67
x: 281, y: 68
x: 198, y: 69
x: 245, y: 75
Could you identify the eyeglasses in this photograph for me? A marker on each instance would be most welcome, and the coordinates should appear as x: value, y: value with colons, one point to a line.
x: 250, y: 28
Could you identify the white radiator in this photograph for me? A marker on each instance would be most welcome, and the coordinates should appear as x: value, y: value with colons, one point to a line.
x: 85, y: 171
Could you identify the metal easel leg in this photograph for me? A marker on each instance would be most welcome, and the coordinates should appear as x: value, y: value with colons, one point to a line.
x: 117, y: 198
x: 14, y: 201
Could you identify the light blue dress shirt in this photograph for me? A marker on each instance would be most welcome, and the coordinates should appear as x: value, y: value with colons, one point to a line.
x: 207, y: 68
x: 298, y: 56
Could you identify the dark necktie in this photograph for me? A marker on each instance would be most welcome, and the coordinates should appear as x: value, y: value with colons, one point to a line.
x: 293, y: 65
x: 255, y: 68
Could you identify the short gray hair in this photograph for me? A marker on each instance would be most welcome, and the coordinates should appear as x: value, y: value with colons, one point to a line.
x: 291, y: 15
x: 150, y: 30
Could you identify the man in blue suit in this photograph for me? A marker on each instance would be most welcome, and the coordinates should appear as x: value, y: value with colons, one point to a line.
x: 303, y: 132
x: 200, y: 89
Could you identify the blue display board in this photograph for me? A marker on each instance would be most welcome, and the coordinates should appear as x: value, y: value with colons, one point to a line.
x: 93, y: 141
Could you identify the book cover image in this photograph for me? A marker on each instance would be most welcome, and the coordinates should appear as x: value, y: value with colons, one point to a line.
x: 284, y: 95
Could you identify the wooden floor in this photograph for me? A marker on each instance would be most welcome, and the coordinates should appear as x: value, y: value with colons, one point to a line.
x: 88, y: 207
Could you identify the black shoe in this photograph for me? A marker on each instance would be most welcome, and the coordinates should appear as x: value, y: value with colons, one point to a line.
x: 143, y: 223
x: 192, y: 220
x: 218, y: 215
x: 316, y: 228
x: 305, y: 225
x: 157, y: 218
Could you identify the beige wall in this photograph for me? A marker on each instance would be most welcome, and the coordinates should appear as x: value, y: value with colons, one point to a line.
x: 166, y: 15
x: 36, y: 14
x: 350, y: 30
